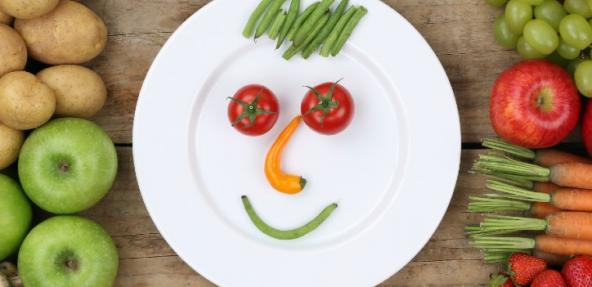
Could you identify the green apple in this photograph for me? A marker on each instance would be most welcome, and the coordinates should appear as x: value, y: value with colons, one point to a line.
x: 68, y: 251
x: 15, y: 216
x: 67, y: 165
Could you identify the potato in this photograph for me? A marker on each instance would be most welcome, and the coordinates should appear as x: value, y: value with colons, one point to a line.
x: 70, y: 34
x: 27, y: 9
x: 5, y: 18
x: 13, y: 52
x: 79, y: 91
x: 25, y: 102
x: 11, y: 142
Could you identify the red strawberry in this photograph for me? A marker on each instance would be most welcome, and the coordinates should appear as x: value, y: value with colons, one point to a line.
x: 524, y: 268
x: 500, y: 280
x: 578, y: 271
x: 548, y: 278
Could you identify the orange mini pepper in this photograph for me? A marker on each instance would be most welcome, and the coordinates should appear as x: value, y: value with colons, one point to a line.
x: 286, y: 183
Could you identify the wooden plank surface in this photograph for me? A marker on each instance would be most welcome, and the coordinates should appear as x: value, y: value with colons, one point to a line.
x: 147, y: 260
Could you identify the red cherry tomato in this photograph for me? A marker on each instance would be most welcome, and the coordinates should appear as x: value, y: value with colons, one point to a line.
x: 253, y: 110
x: 328, y: 108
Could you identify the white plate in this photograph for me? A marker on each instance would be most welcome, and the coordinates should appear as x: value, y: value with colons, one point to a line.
x: 392, y: 171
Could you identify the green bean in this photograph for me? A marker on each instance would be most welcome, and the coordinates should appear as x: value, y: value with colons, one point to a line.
x: 309, y: 24
x: 295, y: 49
x: 320, y: 38
x: 277, y: 25
x: 268, y: 18
x: 292, y: 15
x: 286, y: 234
x: 301, y: 18
x: 348, y: 30
x: 330, y: 41
x: 250, y: 27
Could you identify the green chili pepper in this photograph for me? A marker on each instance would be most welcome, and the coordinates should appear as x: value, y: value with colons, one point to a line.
x: 286, y: 234
x: 268, y: 18
x: 295, y: 49
x: 292, y: 15
x: 250, y: 27
x: 348, y: 30
x: 310, y: 23
x: 320, y: 38
x: 301, y: 18
x: 330, y: 41
x: 277, y: 25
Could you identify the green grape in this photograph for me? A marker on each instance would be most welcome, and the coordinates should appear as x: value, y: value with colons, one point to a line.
x: 503, y: 35
x: 573, y: 65
x: 579, y: 7
x: 583, y: 77
x: 576, y: 31
x: 541, y: 36
x: 496, y: 3
x: 517, y: 15
x: 527, y: 51
x: 533, y: 2
x: 551, y: 11
x: 567, y: 51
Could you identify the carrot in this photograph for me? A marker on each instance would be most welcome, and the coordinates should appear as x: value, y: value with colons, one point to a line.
x: 545, y: 187
x: 493, y: 204
x: 544, y: 243
x: 563, y: 198
x: 576, y: 175
x: 546, y: 158
x: 565, y: 224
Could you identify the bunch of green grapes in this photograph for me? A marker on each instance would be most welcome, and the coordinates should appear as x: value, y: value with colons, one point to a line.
x: 561, y: 32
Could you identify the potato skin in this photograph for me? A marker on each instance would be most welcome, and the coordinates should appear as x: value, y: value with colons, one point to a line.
x: 70, y: 34
x: 27, y: 9
x: 79, y: 91
x: 13, y: 52
x: 25, y: 102
x: 5, y: 18
x: 11, y: 142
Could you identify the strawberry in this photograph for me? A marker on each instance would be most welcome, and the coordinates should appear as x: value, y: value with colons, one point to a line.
x: 524, y: 268
x: 500, y: 280
x: 578, y: 271
x: 548, y: 278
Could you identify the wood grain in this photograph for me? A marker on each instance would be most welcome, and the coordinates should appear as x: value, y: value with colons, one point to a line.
x: 147, y: 260
x: 458, y: 30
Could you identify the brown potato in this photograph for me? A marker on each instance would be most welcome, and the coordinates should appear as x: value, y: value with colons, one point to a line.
x: 27, y: 9
x: 79, y: 91
x: 25, y: 102
x: 70, y: 34
x: 5, y: 18
x: 13, y: 52
x: 11, y: 142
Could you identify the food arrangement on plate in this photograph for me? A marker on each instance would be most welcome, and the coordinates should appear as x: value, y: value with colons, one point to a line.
x: 66, y: 163
x: 532, y: 188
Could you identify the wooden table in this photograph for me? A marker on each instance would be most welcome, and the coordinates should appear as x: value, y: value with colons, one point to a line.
x: 458, y: 30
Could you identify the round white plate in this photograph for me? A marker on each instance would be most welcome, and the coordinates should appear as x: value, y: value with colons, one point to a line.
x: 392, y: 172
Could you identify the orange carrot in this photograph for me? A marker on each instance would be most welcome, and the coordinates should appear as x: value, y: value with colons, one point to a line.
x: 544, y: 243
x: 550, y: 258
x: 550, y: 157
x: 577, y: 175
x: 545, y: 187
x: 563, y: 246
x: 542, y: 209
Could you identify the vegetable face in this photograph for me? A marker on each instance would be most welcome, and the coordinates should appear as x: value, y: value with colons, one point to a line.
x: 253, y: 110
x: 328, y: 108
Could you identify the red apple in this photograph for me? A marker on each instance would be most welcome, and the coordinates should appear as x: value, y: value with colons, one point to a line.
x: 534, y: 104
x: 587, y: 127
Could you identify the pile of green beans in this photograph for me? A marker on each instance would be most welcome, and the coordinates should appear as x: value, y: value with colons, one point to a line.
x: 316, y: 28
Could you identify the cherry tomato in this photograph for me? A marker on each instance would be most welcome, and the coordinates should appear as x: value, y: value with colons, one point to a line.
x: 328, y: 108
x: 253, y: 110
